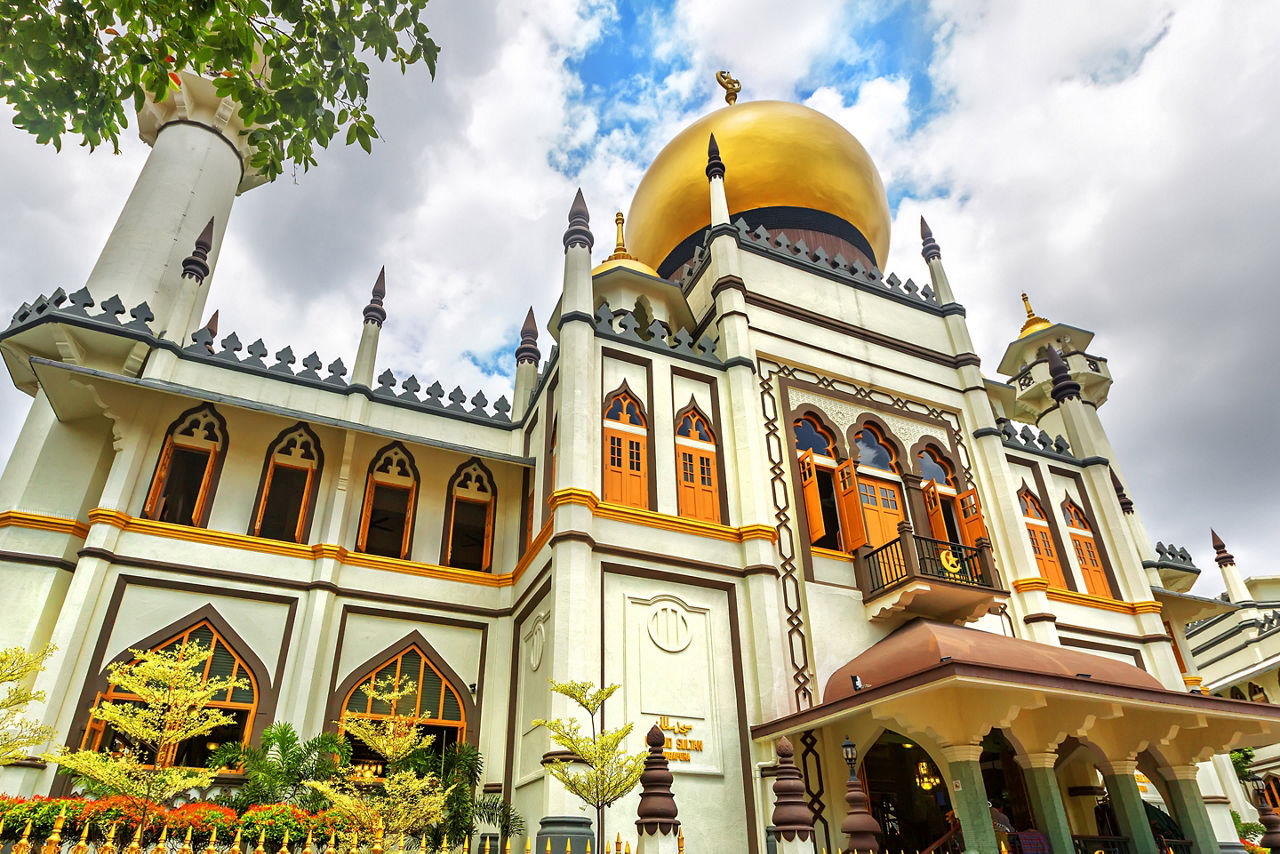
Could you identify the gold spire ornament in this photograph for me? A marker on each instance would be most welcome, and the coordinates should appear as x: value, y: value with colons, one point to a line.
x: 731, y: 87
x: 620, y: 252
x: 1034, y: 322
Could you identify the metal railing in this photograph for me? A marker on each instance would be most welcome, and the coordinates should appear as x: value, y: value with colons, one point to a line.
x: 913, y: 556
x: 1105, y: 844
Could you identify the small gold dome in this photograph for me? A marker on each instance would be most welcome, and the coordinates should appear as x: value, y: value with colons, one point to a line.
x: 621, y: 257
x: 1034, y: 322
x: 776, y: 155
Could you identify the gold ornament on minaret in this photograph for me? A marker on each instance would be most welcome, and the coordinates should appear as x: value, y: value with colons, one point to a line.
x: 1034, y: 322
x: 731, y: 87
x: 620, y: 252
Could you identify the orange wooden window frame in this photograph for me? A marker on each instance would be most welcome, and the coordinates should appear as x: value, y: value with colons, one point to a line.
x: 1086, y: 549
x: 973, y: 526
x: 92, y: 739
x: 812, y: 497
x: 161, y: 478
x: 373, y: 481
x: 933, y: 509
x: 853, y: 527
x: 1047, y: 561
x: 303, y: 509
x: 434, y: 720
x: 886, y: 518
x: 893, y: 468
x: 1173, y: 641
x: 623, y: 483
x: 454, y: 498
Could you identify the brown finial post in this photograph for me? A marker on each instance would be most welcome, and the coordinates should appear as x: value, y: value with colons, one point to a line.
x: 792, y: 819
x: 1126, y: 503
x: 528, y: 351
x: 715, y: 166
x: 929, y: 247
x: 579, y: 231
x: 196, y: 265
x: 859, y: 826
x: 1221, y: 556
x: 656, y: 824
x: 1064, y: 387
x: 374, y: 312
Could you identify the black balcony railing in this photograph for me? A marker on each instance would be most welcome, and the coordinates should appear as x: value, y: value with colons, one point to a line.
x: 912, y: 556
x: 1104, y: 844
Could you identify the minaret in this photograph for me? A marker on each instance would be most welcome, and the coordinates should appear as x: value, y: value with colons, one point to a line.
x: 374, y: 315
x: 198, y: 164
x: 932, y: 253
x: 1237, y: 592
x: 715, y: 177
x: 527, y: 358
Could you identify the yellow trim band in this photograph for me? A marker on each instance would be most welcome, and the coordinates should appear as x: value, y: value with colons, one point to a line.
x: 40, y: 522
x: 831, y: 554
x: 661, y: 521
x: 1088, y: 600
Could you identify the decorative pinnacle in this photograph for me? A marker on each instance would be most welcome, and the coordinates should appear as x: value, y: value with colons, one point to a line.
x: 374, y: 312
x: 212, y: 325
x: 1221, y: 557
x: 791, y: 814
x: 579, y: 232
x: 731, y: 87
x: 196, y: 265
x: 715, y: 166
x: 528, y: 349
x: 1064, y: 388
x: 930, y: 248
x: 656, y: 813
x: 620, y: 252
x: 1034, y: 322
x: 1126, y: 503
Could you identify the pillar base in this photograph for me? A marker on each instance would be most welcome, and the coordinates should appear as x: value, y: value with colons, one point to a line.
x: 561, y: 829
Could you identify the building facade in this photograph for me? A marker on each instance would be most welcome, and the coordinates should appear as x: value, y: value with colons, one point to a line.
x: 743, y: 473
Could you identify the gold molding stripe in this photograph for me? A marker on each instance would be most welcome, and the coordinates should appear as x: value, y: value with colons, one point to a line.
x: 40, y: 522
x: 662, y: 521
x: 831, y: 554
x: 1088, y: 600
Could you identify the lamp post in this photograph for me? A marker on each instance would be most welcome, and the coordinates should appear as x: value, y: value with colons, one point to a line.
x: 1266, y: 815
x: 859, y: 825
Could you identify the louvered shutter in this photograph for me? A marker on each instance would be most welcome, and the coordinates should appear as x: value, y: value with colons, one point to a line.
x: 812, y: 498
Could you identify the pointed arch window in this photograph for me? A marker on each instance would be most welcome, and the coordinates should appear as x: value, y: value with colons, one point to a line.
x: 879, y: 486
x: 182, y: 486
x: 626, y: 452
x: 469, y: 521
x: 830, y: 488
x: 290, y: 482
x: 390, y: 496
x: 954, y: 516
x: 240, y: 703
x: 1037, y: 523
x: 697, y: 479
x: 1086, y: 549
x: 434, y: 703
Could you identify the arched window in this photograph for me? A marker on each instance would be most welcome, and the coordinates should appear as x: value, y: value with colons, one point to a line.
x: 1257, y: 693
x: 469, y: 522
x: 697, y: 484
x: 626, y: 452
x: 182, y: 487
x: 290, y: 480
x: 830, y: 489
x: 390, y: 495
x: 1086, y: 549
x: 241, y: 703
x: 879, y: 487
x: 953, y: 516
x: 1041, y: 540
x: 433, y: 703
x: 1237, y: 694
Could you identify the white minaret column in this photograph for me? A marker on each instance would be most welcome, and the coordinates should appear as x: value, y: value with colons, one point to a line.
x: 197, y: 166
x: 932, y: 253
x: 527, y: 358
x: 374, y: 315
x: 1237, y: 592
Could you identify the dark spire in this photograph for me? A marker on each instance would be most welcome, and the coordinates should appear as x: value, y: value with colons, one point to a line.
x: 930, y: 248
x: 792, y: 817
x: 1126, y: 503
x: 374, y: 312
x: 528, y: 349
x: 715, y: 166
x: 1064, y: 388
x: 196, y: 265
x: 212, y: 327
x: 657, y: 811
x: 1222, y: 557
x: 579, y: 233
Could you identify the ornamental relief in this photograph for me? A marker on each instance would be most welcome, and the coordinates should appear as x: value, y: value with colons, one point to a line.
x: 843, y: 415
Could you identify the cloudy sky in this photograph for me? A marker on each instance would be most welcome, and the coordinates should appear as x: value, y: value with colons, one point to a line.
x: 1115, y: 159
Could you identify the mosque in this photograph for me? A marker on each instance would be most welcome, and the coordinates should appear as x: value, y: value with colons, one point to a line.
x: 744, y: 473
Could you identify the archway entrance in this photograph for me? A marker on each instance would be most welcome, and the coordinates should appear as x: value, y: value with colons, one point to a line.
x: 1006, y: 789
x: 908, y: 794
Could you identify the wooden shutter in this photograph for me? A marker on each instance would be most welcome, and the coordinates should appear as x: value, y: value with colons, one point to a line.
x: 686, y: 480
x: 1095, y: 578
x: 1046, y: 559
x: 708, y: 493
x: 812, y: 498
x: 637, y: 477
x: 853, y: 530
x: 614, y: 466
x: 937, y: 525
x: 972, y: 525
x: 151, y: 510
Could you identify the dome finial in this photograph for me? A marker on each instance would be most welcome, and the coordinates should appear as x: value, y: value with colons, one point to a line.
x: 731, y: 87
x: 1034, y: 322
x: 620, y: 250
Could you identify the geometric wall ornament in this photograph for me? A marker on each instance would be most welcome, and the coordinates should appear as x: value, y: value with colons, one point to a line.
x: 669, y: 627
x: 536, y: 640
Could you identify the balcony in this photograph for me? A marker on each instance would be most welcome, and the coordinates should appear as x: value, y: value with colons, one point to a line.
x: 919, y: 576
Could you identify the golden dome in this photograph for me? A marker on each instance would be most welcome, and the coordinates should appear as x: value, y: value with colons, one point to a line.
x: 621, y: 257
x: 776, y: 155
x: 1034, y: 322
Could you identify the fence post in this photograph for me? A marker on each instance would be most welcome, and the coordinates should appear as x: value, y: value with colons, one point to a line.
x: 907, y: 543
x: 986, y: 560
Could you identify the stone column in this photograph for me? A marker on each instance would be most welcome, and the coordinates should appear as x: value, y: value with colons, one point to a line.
x: 1188, y: 807
x: 1126, y: 802
x: 1046, y: 800
x: 969, y: 798
x: 657, y: 829
x: 792, y: 819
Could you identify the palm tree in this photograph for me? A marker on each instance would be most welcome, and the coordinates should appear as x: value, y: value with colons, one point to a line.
x: 276, y: 772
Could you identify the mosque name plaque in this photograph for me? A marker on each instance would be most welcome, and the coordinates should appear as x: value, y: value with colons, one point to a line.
x: 682, y: 746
